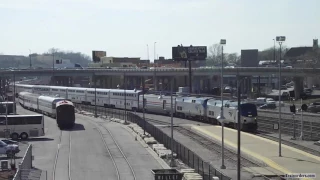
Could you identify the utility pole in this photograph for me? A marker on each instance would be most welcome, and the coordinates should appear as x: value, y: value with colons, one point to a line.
x: 95, y: 96
x: 172, y: 163
x: 221, y: 117
x: 280, y: 39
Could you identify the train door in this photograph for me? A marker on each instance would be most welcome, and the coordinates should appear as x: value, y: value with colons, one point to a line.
x: 164, y: 103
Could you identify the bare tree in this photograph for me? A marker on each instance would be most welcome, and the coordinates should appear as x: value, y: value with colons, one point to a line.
x: 311, y: 59
x: 214, y: 55
x: 53, y: 50
x: 233, y: 58
x: 268, y: 54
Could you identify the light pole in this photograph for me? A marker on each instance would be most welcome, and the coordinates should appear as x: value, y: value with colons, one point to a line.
x: 95, y: 96
x: 221, y: 116
x: 239, y: 81
x: 280, y: 39
x: 148, y: 51
x: 53, y: 81
x: 143, y: 106
x: 274, y: 50
x: 154, y: 51
x: 125, y: 98
x: 14, y: 93
x: 30, y: 58
x: 172, y: 163
x: 154, y: 66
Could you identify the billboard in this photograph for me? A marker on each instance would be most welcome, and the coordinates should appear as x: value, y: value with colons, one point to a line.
x: 96, y: 55
x: 249, y: 58
x: 181, y: 53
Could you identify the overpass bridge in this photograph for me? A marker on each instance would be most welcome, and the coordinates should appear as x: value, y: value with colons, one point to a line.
x: 110, y: 78
x: 242, y: 71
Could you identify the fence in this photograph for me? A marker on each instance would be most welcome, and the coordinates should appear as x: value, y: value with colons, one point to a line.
x: 183, y: 153
x: 26, y: 164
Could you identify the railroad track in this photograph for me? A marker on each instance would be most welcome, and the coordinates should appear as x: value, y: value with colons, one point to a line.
x: 211, y: 145
x: 289, y: 143
x: 265, y: 125
x: 115, y: 153
x: 57, y: 156
x: 311, y: 130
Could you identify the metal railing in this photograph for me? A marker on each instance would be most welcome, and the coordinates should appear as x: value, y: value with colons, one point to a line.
x: 26, y: 164
x: 187, y: 156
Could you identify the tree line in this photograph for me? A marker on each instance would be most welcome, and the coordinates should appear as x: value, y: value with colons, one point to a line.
x: 234, y: 59
x: 24, y: 61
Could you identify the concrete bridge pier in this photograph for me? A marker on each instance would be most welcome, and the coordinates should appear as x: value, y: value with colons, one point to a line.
x: 298, y: 86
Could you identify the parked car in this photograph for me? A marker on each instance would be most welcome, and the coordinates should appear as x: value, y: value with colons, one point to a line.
x: 8, y: 141
x: 314, y: 107
x: 268, y: 106
x: 8, y: 149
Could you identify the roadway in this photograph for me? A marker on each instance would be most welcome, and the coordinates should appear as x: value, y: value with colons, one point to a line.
x: 87, y: 157
x: 242, y: 71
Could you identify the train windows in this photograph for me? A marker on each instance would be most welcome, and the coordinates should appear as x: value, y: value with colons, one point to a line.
x: 179, y: 108
x: 193, y: 101
x: 211, y: 113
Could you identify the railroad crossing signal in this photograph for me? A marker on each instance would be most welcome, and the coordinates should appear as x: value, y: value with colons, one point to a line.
x: 293, y: 109
x: 304, y: 107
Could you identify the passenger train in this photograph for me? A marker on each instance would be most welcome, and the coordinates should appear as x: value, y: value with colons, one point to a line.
x: 205, y: 109
x: 56, y: 107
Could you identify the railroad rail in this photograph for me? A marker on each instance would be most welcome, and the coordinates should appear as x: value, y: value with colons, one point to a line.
x: 311, y: 130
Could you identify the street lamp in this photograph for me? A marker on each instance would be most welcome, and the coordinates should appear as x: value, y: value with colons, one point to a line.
x: 30, y: 58
x: 154, y: 66
x: 53, y: 81
x: 274, y: 50
x: 143, y: 106
x: 125, y: 98
x: 154, y: 51
x: 148, y: 51
x: 221, y: 117
x: 95, y: 96
x: 172, y: 163
x: 239, y: 81
x: 280, y: 39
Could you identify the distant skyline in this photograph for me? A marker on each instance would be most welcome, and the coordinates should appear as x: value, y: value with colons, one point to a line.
x: 123, y: 28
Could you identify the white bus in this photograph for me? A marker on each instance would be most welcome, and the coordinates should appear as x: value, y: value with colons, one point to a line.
x: 22, y: 126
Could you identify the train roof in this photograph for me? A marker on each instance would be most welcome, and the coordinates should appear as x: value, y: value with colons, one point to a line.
x: 58, y: 87
x: 19, y: 115
x: 28, y: 94
x: 231, y: 103
x: 41, y: 86
x: 24, y: 85
x: 103, y: 90
x: 122, y: 91
x: 64, y: 102
x: 77, y: 88
x: 190, y: 99
x: 49, y: 98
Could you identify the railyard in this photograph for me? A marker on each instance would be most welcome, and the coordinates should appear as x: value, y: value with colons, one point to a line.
x: 82, y: 153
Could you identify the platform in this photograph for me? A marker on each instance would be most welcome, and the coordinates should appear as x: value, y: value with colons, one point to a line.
x: 265, y: 151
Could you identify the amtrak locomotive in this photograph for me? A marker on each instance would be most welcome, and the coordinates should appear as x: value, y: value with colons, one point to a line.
x: 205, y: 109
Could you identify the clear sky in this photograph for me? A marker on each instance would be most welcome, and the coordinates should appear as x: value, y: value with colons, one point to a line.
x: 125, y: 27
